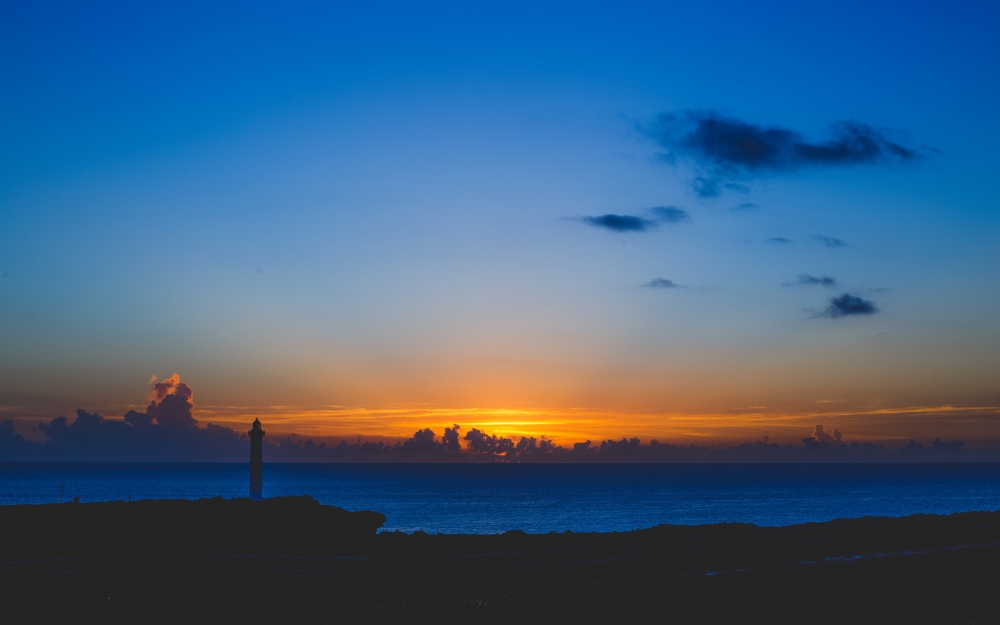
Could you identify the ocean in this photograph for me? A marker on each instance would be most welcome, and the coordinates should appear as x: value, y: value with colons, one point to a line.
x: 537, y: 498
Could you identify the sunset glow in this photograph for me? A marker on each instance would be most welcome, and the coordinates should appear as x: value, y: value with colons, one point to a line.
x: 357, y: 224
x: 886, y: 424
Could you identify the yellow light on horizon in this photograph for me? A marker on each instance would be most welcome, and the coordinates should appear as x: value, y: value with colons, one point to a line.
x: 577, y: 425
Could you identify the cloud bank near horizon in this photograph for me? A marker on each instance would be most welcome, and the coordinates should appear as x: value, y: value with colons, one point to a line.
x: 168, y: 432
x: 91, y: 437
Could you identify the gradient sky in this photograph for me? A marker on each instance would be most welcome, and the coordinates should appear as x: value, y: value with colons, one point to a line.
x: 361, y: 220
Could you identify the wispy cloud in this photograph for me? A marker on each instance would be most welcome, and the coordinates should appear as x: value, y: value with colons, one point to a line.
x: 745, y: 206
x: 670, y: 214
x: 620, y: 223
x: 634, y: 223
x: 707, y: 186
x: 805, y: 279
x: 662, y: 283
x: 778, y: 240
x: 829, y: 241
x: 848, y: 305
x: 725, y: 148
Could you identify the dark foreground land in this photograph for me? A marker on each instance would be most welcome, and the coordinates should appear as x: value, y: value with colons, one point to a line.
x: 292, y: 560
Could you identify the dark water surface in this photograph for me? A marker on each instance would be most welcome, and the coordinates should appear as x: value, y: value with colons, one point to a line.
x: 480, y: 498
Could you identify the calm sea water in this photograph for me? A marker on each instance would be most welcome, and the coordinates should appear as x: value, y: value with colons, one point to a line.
x: 541, y: 498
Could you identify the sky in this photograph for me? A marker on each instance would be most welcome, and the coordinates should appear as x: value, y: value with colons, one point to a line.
x: 693, y: 222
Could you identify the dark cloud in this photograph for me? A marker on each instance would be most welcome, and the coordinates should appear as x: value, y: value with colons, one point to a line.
x: 12, y: 444
x: 777, y: 240
x: 425, y: 442
x: 829, y: 241
x: 707, y: 186
x: 165, y: 431
x: 849, y: 305
x: 170, y: 386
x: 583, y: 448
x: 821, y: 437
x: 620, y: 223
x: 633, y: 223
x: 482, y: 443
x: 732, y: 144
x: 624, y: 447
x: 530, y: 449
x: 724, y: 148
x: 661, y: 283
x: 173, y: 411
x: 745, y: 206
x: 171, y: 405
x: 670, y: 214
x: 450, y: 439
x: 530, y: 446
x: 938, y: 447
x: 92, y: 437
x: 735, y: 186
x: 805, y: 279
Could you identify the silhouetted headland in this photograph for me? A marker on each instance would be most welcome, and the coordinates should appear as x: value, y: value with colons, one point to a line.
x: 203, y: 527
x: 291, y: 559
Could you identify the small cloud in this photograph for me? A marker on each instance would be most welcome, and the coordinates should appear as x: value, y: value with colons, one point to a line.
x: 778, y: 240
x: 735, y: 186
x: 848, y: 306
x: 805, y: 279
x: 745, y: 206
x: 633, y: 223
x: 620, y: 223
x: 670, y: 214
x: 661, y: 283
x: 726, y: 149
x: 706, y: 186
x: 821, y: 437
x: 829, y: 241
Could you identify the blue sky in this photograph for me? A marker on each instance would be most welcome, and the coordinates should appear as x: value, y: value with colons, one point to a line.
x: 310, y: 205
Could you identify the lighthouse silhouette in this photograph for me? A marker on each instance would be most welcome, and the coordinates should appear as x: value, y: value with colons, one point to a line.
x: 256, y: 460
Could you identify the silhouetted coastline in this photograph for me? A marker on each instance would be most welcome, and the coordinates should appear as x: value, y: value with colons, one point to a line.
x: 202, y: 527
x: 291, y: 559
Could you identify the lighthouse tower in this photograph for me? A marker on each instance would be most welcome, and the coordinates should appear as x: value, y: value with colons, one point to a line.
x: 256, y: 460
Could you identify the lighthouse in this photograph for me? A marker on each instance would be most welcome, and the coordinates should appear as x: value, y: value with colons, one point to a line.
x: 256, y: 460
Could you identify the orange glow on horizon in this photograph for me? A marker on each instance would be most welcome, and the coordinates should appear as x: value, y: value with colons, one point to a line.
x: 334, y: 423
